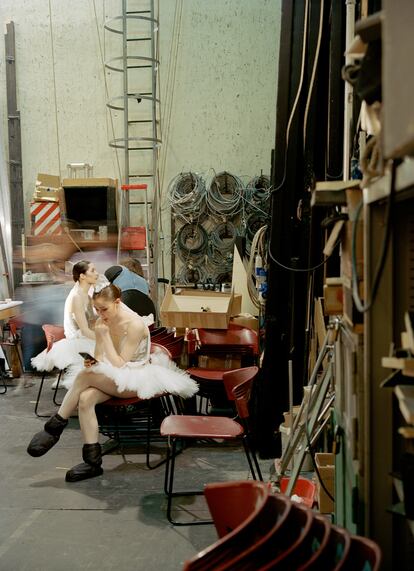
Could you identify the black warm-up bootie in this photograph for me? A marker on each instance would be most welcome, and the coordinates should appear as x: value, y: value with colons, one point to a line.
x: 45, y: 439
x: 92, y: 455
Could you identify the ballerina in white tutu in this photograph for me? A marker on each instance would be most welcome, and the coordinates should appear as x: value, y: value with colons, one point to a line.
x: 78, y: 323
x: 122, y: 367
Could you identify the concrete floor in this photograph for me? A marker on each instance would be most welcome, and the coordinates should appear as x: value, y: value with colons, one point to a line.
x: 116, y: 521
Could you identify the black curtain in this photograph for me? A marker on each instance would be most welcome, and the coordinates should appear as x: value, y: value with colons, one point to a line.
x: 308, y: 147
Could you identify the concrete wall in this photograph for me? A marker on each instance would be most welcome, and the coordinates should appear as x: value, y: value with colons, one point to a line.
x: 218, y: 85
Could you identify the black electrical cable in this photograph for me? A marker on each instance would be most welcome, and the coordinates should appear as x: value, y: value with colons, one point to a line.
x: 194, y: 233
x: 384, y: 248
x: 312, y: 269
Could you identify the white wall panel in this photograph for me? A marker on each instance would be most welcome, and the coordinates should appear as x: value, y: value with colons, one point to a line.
x: 223, y: 96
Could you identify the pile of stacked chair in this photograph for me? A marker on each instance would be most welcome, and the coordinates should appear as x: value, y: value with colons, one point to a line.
x: 259, y: 529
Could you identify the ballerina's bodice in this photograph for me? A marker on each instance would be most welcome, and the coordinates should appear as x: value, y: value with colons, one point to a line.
x: 143, y: 349
x: 70, y: 326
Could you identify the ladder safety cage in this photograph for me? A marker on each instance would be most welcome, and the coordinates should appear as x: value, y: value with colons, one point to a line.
x: 137, y: 27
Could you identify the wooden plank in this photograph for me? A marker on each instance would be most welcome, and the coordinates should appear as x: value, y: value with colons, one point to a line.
x: 398, y: 363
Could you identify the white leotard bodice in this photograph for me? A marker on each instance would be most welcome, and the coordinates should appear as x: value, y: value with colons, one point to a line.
x: 70, y: 326
x: 143, y: 349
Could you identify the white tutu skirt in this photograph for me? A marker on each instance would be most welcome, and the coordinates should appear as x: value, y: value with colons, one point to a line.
x: 64, y: 354
x: 148, y: 379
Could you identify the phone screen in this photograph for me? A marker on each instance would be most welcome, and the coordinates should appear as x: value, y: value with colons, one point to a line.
x: 87, y: 357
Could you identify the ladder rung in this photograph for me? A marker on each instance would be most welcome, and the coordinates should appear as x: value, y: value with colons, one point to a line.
x: 141, y: 176
x: 136, y: 95
x: 140, y: 148
x: 139, y: 66
x: 134, y: 187
x: 138, y: 39
x: 139, y: 12
x: 141, y: 121
x: 148, y: 202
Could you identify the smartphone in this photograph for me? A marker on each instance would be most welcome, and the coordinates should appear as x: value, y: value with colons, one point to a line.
x: 88, y: 357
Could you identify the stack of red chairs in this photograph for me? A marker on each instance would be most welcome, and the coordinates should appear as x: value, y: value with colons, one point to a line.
x: 261, y: 530
x: 175, y: 345
x: 237, y: 341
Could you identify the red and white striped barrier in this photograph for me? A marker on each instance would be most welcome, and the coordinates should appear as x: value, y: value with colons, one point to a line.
x: 45, y: 217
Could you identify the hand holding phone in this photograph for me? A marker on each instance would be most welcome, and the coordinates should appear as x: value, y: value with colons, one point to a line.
x: 88, y: 357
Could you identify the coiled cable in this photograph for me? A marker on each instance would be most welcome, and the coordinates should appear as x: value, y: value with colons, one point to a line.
x: 186, y: 195
x: 224, y: 195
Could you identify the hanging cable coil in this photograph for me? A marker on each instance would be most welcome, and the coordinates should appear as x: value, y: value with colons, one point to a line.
x: 224, y: 195
x: 223, y: 236
x: 186, y: 194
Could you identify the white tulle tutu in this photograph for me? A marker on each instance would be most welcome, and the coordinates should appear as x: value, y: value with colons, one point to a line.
x: 64, y: 354
x: 148, y: 379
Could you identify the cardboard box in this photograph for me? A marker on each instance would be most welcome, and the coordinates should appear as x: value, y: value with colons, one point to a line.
x: 196, y: 308
x: 326, y: 466
x: 333, y: 296
x: 48, y: 189
x: 226, y: 362
x: 93, y: 182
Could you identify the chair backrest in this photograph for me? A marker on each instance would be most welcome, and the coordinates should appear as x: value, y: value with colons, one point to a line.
x: 233, y: 378
x: 281, y: 549
x: 332, y: 554
x: 363, y: 555
x: 156, y: 348
x: 163, y: 338
x: 157, y: 330
x: 52, y: 333
x: 237, y: 338
x: 175, y: 347
x: 289, y: 542
x: 242, y: 512
x: 242, y: 394
x: 138, y: 302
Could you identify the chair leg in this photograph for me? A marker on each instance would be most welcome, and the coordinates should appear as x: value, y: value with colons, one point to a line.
x: 3, y: 379
x: 256, y: 463
x: 169, y: 483
x: 56, y: 388
x: 148, y: 446
x: 248, y: 451
x: 38, y: 398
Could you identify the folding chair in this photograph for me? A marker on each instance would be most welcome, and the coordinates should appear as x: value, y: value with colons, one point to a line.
x: 52, y: 333
x: 191, y: 428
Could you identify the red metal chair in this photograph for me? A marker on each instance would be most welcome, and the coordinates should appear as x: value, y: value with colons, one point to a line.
x: 52, y: 333
x: 237, y: 341
x: 191, y: 428
x: 127, y: 421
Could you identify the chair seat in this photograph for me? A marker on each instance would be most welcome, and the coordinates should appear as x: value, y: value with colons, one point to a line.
x: 206, y: 374
x: 121, y: 402
x: 200, y: 427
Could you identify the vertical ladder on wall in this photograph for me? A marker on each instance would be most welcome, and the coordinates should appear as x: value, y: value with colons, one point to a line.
x: 139, y: 103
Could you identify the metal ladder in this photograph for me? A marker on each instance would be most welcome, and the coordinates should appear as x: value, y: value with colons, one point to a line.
x: 139, y: 103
